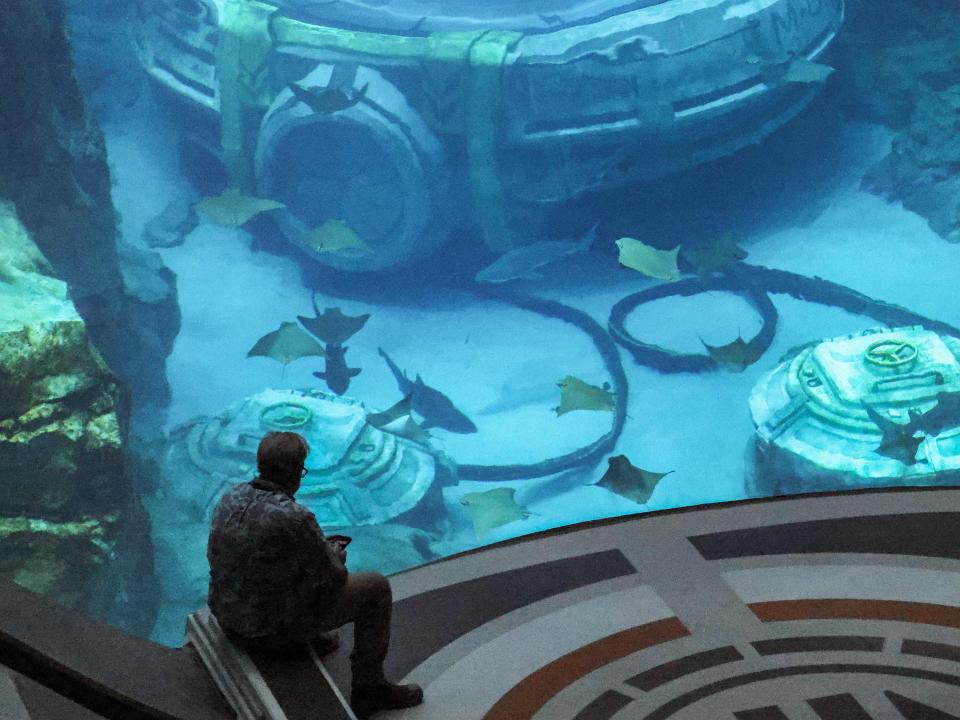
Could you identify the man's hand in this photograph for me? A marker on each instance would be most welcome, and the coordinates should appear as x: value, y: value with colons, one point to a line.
x: 339, y: 544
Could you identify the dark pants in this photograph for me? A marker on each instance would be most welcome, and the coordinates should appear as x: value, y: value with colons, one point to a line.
x: 367, y: 602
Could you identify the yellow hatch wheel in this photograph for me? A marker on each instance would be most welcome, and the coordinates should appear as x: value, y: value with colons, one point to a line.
x: 890, y: 353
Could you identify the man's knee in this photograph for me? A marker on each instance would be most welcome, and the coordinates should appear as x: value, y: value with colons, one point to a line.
x: 375, y: 585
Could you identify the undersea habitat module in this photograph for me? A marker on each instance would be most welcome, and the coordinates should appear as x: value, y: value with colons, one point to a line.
x: 878, y: 407
x: 359, y: 475
x: 370, y: 126
x: 881, y: 407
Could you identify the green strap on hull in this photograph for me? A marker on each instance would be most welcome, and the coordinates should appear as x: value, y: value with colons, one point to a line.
x: 250, y: 30
x: 483, y: 95
x: 243, y: 52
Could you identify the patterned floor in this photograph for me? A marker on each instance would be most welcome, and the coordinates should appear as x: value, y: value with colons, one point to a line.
x: 827, y: 607
x: 837, y: 607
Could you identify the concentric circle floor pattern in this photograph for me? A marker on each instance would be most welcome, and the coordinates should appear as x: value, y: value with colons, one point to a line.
x: 830, y: 607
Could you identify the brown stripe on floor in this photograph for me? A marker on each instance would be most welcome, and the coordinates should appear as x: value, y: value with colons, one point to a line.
x: 832, y: 609
x: 728, y: 644
x: 425, y: 623
x: 526, y: 698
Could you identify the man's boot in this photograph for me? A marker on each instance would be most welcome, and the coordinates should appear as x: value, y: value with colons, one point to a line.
x: 370, y: 699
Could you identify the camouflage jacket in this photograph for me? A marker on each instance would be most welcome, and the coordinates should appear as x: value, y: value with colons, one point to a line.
x: 272, y: 571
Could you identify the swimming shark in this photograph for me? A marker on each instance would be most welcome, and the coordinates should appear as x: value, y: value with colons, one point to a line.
x: 436, y: 409
x: 526, y: 262
x: 942, y: 416
x: 336, y: 374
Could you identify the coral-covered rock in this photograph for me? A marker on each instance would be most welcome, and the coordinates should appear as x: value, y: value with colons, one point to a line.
x: 63, y: 495
x: 150, y: 322
x: 900, y: 67
x: 55, y: 559
x: 53, y: 167
x: 62, y: 487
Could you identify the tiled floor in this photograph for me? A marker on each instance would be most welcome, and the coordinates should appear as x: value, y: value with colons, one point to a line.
x: 825, y: 607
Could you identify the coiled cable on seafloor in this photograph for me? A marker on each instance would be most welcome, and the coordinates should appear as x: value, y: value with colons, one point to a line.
x: 753, y: 282
x: 611, y: 360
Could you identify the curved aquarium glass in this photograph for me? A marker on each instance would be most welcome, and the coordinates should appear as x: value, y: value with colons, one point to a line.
x: 506, y: 266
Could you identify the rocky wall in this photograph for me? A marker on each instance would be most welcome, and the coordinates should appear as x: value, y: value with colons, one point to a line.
x: 70, y: 523
x: 53, y: 167
x: 901, y: 67
x: 62, y: 486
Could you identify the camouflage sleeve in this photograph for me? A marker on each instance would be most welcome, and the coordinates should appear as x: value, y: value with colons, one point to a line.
x: 317, y: 557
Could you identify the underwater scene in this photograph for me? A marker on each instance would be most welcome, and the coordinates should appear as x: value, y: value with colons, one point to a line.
x: 506, y: 266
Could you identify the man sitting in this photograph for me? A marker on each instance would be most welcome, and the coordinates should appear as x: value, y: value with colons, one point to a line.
x: 277, y: 581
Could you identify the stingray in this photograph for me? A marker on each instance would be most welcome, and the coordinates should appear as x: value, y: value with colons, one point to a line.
x: 648, y: 260
x: 233, y: 209
x: 713, y: 257
x: 735, y: 356
x: 527, y: 262
x: 326, y: 100
x: 792, y: 69
x: 335, y: 236
x: 493, y: 508
x: 394, y: 412
x: 898, y: 441
x: 942, y: 416
x: 332, y: 326
x: 575, y: 394
x: 413, y: 431
x: 409, y: 429
x: 802, y: 70
x: 631, y: 482
x: 286, y: 344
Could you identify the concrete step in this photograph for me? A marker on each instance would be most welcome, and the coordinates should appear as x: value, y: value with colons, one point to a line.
x: 292, y: 685
x: 11, y: 704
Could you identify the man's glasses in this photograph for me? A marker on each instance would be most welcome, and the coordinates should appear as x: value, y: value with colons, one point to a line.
x: 303, y: 472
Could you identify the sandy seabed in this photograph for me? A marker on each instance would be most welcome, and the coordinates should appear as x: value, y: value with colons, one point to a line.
x: 500, y: 364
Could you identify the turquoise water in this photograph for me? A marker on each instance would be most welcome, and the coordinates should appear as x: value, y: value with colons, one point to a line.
x: 803, y: 136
